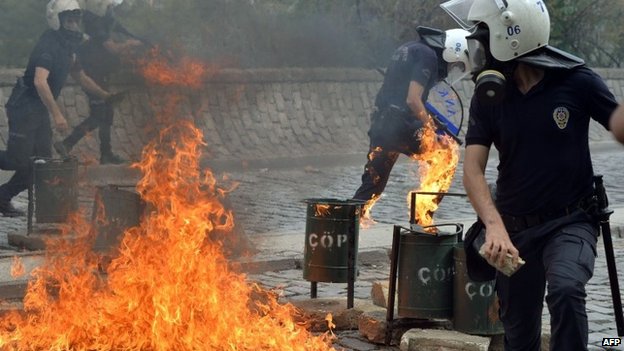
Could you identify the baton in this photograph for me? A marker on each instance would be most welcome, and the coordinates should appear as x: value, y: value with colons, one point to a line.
x: 605, y: 229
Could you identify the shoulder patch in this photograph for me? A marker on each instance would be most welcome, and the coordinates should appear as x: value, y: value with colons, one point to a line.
x: 401, y: 54
x: 426, y: 73
x: 561, y: 115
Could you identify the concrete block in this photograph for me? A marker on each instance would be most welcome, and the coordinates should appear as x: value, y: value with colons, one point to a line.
x: 442, y: 340
x: 379, y: 293
x: 372, y: 325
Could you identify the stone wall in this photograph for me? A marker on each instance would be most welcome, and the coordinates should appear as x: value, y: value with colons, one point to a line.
x: 252, y: 114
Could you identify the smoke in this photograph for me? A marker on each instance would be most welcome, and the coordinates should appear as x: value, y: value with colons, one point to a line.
x: 248, y: 34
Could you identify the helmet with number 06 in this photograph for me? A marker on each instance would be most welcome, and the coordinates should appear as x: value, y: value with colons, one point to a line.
x: 516, y: 27
x: 456, y: 54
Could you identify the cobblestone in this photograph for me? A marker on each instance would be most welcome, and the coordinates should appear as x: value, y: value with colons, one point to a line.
x: 281, y: 207
x: 270, y: 200
x: 599, y: 307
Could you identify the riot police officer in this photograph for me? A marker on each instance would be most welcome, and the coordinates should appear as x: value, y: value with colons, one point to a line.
x: 33, y: 99
x: 399, y: 113
x: 533, y: 102
x: 100, y: 57
x: 617, y: 124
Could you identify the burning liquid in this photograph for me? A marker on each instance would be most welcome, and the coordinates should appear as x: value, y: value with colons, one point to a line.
x: 322, y: 210
x: 437, y: 161
x: 367, y: 220
x: 169, y: 286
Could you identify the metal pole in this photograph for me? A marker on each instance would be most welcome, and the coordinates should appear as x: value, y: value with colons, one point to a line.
x: 413, y: 207
x: 313, y: 290
x: 603, y: 214
x: 394, y: 261
x: 351, y: 254
x: 440, y: 193
x: 31, y: 205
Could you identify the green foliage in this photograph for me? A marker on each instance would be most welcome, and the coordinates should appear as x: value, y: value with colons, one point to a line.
x: 276, y: 33
x: 590, y: 29
x: 248, y: 33
x: 21, y: 24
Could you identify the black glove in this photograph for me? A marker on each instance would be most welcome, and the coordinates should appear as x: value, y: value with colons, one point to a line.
x: 116, y: 98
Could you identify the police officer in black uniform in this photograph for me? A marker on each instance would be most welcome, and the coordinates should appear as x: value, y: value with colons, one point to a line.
x: 617, y: 124
x: 415, y: 67
x: 533, y: 103
x: 100, y: 57
x: 33, y: 99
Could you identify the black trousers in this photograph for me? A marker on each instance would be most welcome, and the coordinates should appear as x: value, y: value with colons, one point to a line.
x: 392, y: 133
x: 101, y: 117
x: 30, y: 134
x: 559, y: 259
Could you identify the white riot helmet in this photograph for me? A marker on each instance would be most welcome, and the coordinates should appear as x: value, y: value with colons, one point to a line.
x: 516, y: 27
x: 99, y: 7
x: 56, y: 7
x: 456, y: 54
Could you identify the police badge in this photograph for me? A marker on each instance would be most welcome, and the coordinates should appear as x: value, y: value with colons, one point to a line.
x: 561, y: 115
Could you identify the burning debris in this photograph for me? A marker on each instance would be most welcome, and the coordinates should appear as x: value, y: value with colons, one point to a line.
x: 322, y: 210
x: 367, y: 219
x: 170, y: 287
x: 437, y: 162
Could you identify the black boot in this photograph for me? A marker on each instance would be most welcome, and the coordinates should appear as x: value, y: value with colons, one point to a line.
x: 111, y: 158
x: 8, y: 210
x: 62, y: 148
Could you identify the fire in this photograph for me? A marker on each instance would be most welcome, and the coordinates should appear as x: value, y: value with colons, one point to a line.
x: 17, y: 267
x: 366, y: 221
x: 54, y: 181
x: 159, y: 70
x: 330, y: 322
x: 321, y: 210
x: 437, y: 161
x: 169, y: 287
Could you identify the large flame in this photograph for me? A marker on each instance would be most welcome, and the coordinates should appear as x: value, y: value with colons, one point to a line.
x: 437, y: 162
x: 159, y: 68
x: 169, y: 287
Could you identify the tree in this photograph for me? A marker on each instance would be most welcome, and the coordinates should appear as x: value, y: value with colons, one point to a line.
x: 277, y: 33
x: 21, y: 24
x: 590, y: 29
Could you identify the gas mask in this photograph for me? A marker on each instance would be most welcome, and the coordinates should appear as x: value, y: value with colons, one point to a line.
x: 70, y: 27
x: 489, y: 75
x: 456, y: 71
x: 442, y: 66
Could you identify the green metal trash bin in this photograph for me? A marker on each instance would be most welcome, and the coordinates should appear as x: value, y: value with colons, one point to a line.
x: 425, y: 274
x: 54, y: 193
x: 475, y: 305
x: 330, y: 223
x: 115, y: 209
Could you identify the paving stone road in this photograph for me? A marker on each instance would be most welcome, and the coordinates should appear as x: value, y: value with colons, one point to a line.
x: 270, y: 201
x: 278, y: 207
